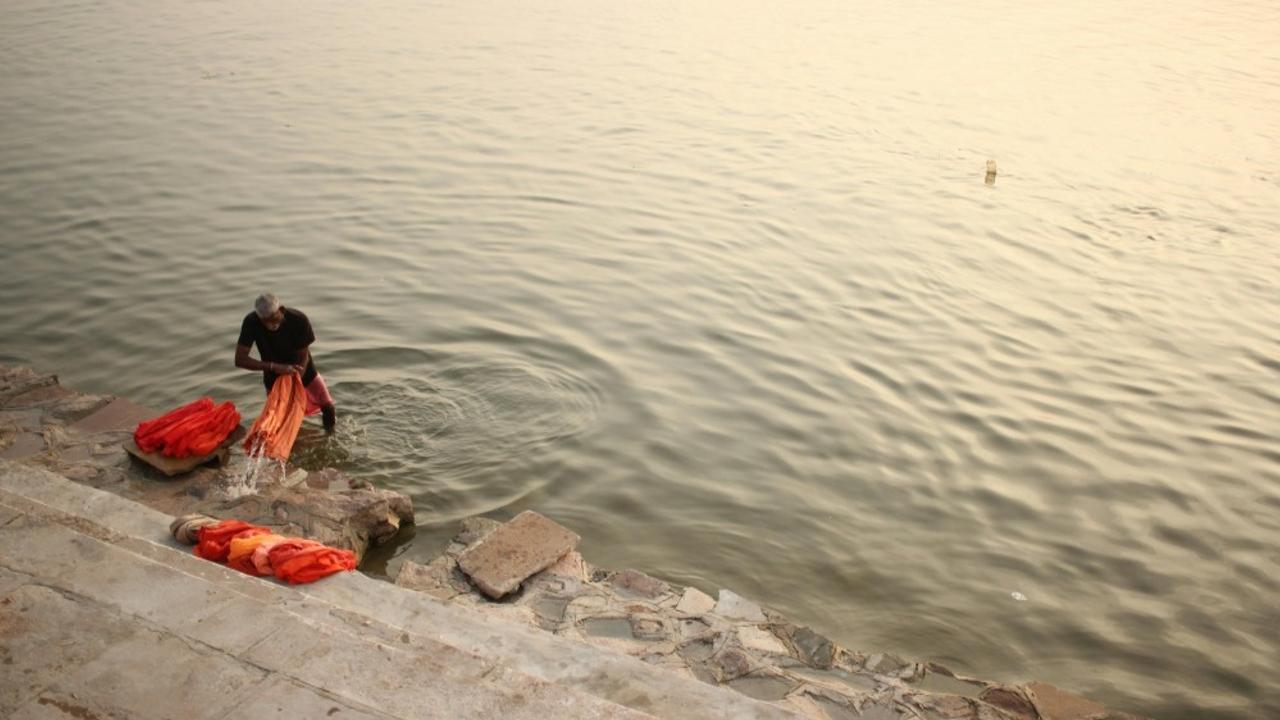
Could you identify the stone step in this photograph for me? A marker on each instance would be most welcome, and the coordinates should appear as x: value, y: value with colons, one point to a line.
x: 369, y: 646
x: 154, y: 613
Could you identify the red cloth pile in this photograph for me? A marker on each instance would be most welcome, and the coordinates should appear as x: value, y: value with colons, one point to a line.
x: 194, y: 429
x: 255, y: 550
x: 276, y: 428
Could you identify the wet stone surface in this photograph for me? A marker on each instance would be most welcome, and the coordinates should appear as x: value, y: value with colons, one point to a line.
x: 550, y: 611
x: 939, y: 683
x: 763, y: 687
x: 503, y: 559
x: 613, y: 627
x: 695, y: 602
x: 814, y: 649
x: 727, y: 640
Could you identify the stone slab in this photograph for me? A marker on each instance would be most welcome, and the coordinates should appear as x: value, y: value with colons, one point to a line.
x: 888, y: 664
x: 119, y: 414
x: 735, y: 607
x: 393, y: 679
x: 17, y: 379
x: 225, y: 628
x: 570, y: 566
x: 638, y: 584
x: 21, y: 485
x: 73, y: 407
x: 814, y: 649
x: 474, y: 529
x: 21, y: 419
x: 156, y: 676
x: 171, y: 467
x: 435, y: 578
x: 760, y: 640
x: 10, y: 581
x: 883, y: 710
x: 695, y: 602
x: 285, y: 698
x: 1056, y: 704
x: 1010, y: 698
x: 44, y: 635
x: 39, y: 395
x: 936, y: 682
x: 58, y: 706
x: 527, y: 544
x: 24, y: 445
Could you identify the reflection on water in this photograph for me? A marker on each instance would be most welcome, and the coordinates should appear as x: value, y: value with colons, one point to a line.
x: 717, y: 285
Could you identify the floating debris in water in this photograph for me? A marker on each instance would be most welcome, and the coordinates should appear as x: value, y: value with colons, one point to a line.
x: 1018, y: 596
x: 991, y: 173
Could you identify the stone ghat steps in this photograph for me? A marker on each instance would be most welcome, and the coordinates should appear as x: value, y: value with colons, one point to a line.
x: 120, y: 621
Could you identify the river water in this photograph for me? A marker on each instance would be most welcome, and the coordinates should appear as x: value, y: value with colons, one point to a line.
x: 722, y: 287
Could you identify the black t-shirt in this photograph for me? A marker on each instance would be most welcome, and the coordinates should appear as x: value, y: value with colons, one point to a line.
x: 281, y: 346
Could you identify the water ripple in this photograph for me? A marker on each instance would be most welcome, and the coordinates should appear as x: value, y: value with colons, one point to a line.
x: 714, y: 281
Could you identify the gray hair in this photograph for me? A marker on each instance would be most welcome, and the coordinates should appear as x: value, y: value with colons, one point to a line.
x: 266, y: 305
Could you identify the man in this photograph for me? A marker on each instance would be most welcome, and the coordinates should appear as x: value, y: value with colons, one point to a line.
x: 283, y: 335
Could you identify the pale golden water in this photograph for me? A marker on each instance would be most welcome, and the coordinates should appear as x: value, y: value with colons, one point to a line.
x: 720, y: 286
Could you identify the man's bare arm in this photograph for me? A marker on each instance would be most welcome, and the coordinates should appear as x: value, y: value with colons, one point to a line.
x: 244, y: 361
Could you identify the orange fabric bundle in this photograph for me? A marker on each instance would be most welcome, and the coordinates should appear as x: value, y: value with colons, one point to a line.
x: 241, y: 553
x: 261, y: 560
x: 287, y: 549
x: 194, y: 429
x: 255, y: 550
x: 311, y: 564
x: 276, y: 428
x: 213, y: 542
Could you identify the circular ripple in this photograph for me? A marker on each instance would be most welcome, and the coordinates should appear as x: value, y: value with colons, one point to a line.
x: 455, y: 427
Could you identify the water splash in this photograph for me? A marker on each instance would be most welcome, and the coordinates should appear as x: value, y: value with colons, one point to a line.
x: 256, y: 463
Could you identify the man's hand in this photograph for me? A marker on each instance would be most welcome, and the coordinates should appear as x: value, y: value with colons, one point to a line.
x: 285, y: 369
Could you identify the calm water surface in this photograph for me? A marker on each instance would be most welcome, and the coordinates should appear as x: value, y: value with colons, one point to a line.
x: 720, y: 286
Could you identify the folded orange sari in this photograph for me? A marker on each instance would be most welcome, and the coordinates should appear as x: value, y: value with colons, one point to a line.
x: 312, y: 563
x: 213, y: 542
x: 196, y: 428
x: 255, y: 550
x: 243, y: 549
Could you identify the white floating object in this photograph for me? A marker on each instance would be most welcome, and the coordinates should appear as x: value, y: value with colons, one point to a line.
x: 1018, y: 596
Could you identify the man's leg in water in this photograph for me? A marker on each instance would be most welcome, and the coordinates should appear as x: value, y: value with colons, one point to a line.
x: 318, y: 396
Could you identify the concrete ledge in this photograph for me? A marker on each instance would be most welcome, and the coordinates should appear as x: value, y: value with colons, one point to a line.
x: 371, y: 644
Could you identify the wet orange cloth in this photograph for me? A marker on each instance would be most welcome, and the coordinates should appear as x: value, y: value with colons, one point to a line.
x: 276, y: 428
x: 255, y: 550
x: 311, y: 564
x: 241, y: 553
x: 261, y: 561
x: 194, y: 429
x: 213, y: 542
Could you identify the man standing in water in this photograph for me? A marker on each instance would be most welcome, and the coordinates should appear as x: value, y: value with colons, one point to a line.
x: 283, y: 336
